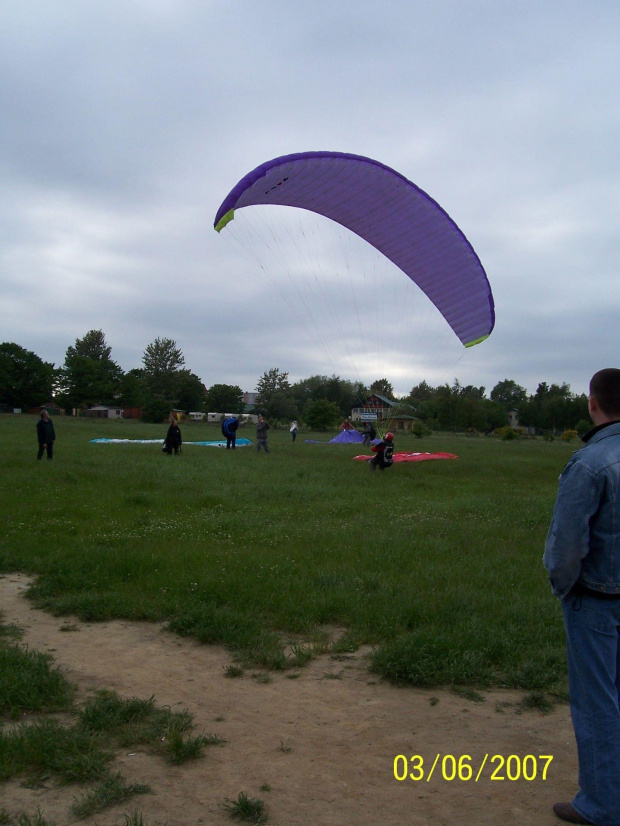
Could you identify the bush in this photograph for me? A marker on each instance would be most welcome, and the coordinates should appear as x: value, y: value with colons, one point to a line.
x: 582, y: 427
x: 419, y: 430
x: 568, y: 435
x: 321, y: 414
x: 156, y: 410
x: 507, y: 434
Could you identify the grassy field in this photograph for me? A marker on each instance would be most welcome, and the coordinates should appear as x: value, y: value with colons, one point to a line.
x: 437, y: 564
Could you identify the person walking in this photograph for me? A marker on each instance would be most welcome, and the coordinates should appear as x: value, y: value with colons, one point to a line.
x: 293, y: 430
x: 582, y: 559
x: 262, y: 427
x: 46, y: 435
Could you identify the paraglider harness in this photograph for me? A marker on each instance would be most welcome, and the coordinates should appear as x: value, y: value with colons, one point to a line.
x: 384, y: 455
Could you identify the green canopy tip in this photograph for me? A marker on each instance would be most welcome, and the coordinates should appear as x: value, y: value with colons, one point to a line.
x: 477, y: 341
x: 225, y: 219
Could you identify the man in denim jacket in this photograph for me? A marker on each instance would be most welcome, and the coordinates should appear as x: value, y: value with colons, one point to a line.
x: 582, y: 557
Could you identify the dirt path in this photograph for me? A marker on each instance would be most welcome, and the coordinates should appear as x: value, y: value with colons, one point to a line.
x: 324, y: 742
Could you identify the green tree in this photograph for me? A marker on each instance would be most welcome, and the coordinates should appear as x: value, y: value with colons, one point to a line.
x: 496, y: 415
x: 89, y: 375
x: 224, y: 398
x: 272, y: 382
x: 582, y: 427
x: 162, y: 356
x: 383, y: 388
x: 554, y: 408
x: 280, y: 406
x: 162, y: 361
x: 344, y: 393
x: 322, y: 414
x: 191, y: 392
x: 156, y: 409
x: 306, y: 391
x: 25, y: 379
x: 134, y: 390
x: 422, y: 392
x: 458, y: 407
x: 509, y: 394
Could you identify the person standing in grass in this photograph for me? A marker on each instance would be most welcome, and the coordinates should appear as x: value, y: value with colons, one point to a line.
x: 45, y: 435
x: 173, y: 437
x: 230, y: 426
x: 262, y: 427
x: 293, y: 430
x: 369, y: 433
x: 582, y: 558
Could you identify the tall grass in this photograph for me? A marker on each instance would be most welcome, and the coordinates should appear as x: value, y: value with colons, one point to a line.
x: 438, y: 564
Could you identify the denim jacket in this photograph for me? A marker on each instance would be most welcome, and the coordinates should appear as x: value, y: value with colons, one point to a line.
x: 583, y: 542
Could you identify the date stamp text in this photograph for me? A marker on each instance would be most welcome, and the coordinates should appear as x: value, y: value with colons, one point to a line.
x: 463, y: 767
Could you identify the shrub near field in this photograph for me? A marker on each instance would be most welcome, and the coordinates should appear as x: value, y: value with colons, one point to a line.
x: 437, y: 564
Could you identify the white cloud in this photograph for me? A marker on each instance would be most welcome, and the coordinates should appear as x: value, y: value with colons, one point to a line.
x: 124, y: 126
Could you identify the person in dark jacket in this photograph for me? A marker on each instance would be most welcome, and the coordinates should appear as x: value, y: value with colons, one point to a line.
x: 384, y: 453
x: 45, y: 435
x: 229, y: 431
x: 369, y: 433
x: 173, y: 437
x: 262, y: 427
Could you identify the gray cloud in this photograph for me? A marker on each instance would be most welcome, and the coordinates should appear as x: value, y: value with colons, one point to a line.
x: 125, y: 126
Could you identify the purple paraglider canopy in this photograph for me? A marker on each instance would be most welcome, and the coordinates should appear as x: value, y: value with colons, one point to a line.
x: 390, y: 213
x: 345, y: 437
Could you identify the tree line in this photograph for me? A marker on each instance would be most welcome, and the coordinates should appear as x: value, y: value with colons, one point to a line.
x: 89, y: 376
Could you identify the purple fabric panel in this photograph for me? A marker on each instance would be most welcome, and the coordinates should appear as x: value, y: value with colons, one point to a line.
x: 389, y: 212
x: 347, y: 437
x: 230, y: 202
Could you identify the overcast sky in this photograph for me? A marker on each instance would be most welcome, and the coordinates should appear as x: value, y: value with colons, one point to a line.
x: 123, y: 125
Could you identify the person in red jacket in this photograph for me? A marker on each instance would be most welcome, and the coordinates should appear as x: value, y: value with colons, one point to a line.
x: 384, y: 453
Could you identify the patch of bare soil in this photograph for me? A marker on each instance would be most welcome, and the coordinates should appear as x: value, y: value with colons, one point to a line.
x: 324, y: 743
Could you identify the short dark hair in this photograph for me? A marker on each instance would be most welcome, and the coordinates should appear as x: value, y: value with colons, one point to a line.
x: 605, y: 387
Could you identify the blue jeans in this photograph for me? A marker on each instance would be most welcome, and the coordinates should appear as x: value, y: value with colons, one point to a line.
x: 592, y: 629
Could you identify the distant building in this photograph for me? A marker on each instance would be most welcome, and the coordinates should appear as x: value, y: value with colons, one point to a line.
x: 513, y: 418
x: 378, y: 408
x: 101, y: 411
x: 51, y: 408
